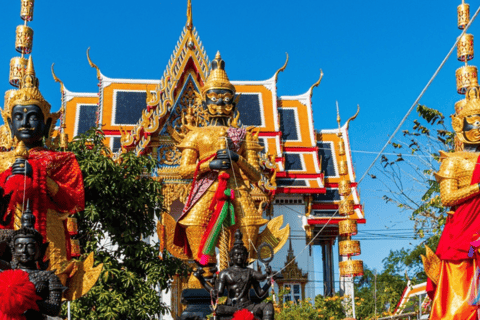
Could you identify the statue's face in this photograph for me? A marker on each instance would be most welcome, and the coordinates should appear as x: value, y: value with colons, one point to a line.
x: 239, y: 257
x: 27, y: 123
x: 220, y: 102
x: 25, y: 250
x: 471, y: 128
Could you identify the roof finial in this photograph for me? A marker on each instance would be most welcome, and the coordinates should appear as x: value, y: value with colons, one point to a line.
x: 347, y: 124
x: 57, y: 79
x: 62, y: 109
x: 189, y: 15
x: 93, y: 65
x: 282, y: 68
x: 316, y: 84
x: 339, y: 120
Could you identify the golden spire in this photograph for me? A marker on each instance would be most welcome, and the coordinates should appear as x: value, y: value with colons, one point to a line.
x: 189, y: 15
x: 29, y: 79
x: 30, y: 69
x: 338, y: 121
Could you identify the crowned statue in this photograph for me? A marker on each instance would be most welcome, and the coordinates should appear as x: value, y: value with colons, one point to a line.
x: 52, y: 180
x: 452, y: 270
x: 237, y: 281
x: 28, y: 292
x: 222, y: 159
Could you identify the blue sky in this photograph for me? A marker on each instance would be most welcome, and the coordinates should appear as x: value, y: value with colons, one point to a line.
x: 378, y: 54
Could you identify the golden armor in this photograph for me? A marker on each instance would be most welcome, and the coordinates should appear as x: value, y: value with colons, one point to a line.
x: 455, y: 176
x: 202, y: 142
x: 199, y: 146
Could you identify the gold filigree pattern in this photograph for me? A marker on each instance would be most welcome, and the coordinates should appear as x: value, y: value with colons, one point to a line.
x: 455, y: 176
x: 351, y: 268
x: 24, y: 39
x: 274, y: 235
x: 349, y: 248
x: 83, y: 279
x: 347, y: 227
x: 169, y: 155
x: 26, y: 10
x: 431, y: 265
x: 18, y: 65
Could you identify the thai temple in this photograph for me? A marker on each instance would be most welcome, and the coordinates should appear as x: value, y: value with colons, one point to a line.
x: 312, y: 192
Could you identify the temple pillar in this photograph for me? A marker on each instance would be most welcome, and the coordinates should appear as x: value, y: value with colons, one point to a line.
x: 346, y: 285
x: 327, y: 256
x: 346, y: 288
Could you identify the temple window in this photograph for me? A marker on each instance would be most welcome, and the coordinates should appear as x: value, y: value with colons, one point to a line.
x: 86, y: 117
x: 295, y: 292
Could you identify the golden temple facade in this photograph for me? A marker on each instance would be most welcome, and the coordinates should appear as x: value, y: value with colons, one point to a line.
x: 144, y: 116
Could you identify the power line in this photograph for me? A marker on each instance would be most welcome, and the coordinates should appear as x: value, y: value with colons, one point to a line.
x: 420, y: 96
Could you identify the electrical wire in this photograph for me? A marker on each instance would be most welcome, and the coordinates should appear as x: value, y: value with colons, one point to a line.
x: 420, y: 96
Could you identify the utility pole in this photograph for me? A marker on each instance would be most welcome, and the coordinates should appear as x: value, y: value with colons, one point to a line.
x: 375, y: 294
x: 353, y: 297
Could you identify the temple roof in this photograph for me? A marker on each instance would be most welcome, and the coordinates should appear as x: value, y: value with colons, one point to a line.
x: 142, y: 110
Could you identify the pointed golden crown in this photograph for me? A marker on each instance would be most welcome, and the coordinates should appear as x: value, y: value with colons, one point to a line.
x: 218, y: 78
x: 465, y: 108
x: 28, y: 94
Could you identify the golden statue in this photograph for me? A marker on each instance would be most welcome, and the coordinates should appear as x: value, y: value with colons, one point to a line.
x: 222, y: 159
x: 51, y: 181
x: 452, y: 269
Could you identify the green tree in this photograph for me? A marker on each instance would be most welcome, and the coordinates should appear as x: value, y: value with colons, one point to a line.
x: 121, y: 203
x: 411, y: 186
x: 384, y: 291
x: 323, y: 308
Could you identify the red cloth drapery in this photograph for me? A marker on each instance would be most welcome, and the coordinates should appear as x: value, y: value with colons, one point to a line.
x: 457, y: 234
x: 61, y: 167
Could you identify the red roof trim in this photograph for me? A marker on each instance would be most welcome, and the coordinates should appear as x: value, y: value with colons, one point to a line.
x: 112, y: 132
x: 285, y: 174
x: 300, y: 190
x: 300, y: 149
x: 332, y: 221
x: 270, y: 134
x: 401, y: 299
x: 335, y: 185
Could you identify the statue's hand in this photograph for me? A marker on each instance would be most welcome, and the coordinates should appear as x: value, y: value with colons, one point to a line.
x: 21, y: 166
x: 220, y: 164
x: 198, y: 273
x: 228, y: 154
x: 268, y: 270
